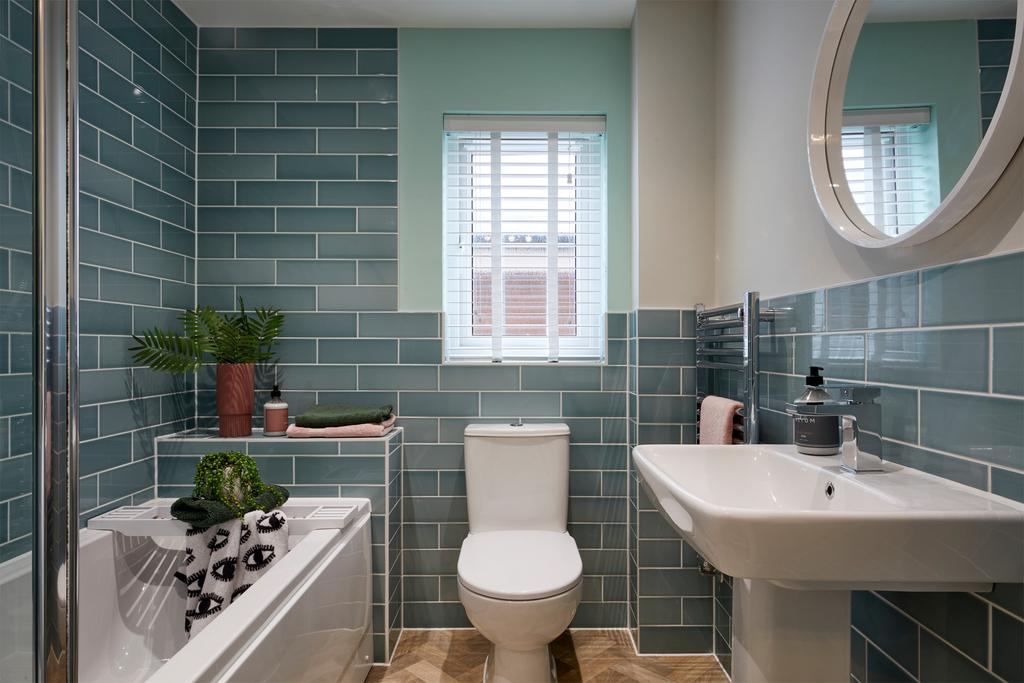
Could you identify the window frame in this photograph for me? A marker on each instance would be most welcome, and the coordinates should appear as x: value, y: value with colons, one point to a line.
x: 465, y: 349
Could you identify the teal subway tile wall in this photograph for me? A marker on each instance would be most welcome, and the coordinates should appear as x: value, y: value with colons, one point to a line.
x: 137, y: 90
x: 671, y: 603
x: 297, y: 174
x: 946, y: 344
x: 297, y: 193
x: 16, y: 263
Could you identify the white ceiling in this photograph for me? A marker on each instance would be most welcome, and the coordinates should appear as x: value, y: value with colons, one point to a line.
x: 940, y: 10
x: 413, y: 13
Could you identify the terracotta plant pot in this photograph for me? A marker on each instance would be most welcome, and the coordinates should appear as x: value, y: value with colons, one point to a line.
x: 235, y: 397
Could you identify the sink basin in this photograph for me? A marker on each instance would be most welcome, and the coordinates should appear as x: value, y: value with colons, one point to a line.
x: 767, y: 512
x: 799, y: 534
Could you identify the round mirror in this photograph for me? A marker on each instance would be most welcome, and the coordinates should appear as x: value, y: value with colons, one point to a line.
x: 917, y: 107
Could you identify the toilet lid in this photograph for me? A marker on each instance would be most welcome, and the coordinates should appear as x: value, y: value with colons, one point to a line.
x: 519, y: 565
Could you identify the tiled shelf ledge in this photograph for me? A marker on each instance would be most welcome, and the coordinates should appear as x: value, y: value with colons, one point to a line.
x: 361, y: 468
x: 280, y: 445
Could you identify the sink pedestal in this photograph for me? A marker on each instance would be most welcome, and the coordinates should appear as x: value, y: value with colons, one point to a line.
x: 789, y: 636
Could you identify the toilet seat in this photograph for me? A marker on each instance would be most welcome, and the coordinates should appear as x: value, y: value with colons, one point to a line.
x: 519, y: 565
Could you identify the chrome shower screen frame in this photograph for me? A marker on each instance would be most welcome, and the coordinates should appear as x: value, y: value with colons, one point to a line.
x: 55, y: 369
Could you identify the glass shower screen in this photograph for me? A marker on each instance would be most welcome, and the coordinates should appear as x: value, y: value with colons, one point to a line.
x: 38, y: 444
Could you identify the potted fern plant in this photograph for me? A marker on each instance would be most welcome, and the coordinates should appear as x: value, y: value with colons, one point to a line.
x: 236, y: 342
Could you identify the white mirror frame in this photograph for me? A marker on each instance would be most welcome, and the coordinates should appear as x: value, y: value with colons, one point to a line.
x: 1004, y: 136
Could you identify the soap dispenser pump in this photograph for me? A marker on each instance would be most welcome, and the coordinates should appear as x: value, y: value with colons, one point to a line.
x: 816, y: 434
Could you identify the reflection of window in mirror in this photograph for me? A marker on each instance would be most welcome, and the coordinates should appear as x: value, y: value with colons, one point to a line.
x: 891, y: 161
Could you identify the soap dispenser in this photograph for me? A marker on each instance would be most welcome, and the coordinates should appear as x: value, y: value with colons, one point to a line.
x: 275, y: 414
x: 816, y: 434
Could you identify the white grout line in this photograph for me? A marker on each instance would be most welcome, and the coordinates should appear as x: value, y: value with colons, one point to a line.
x: 991, y: 360
x: 915, y: 387
x: 893, y: 330
x: 988, y: 623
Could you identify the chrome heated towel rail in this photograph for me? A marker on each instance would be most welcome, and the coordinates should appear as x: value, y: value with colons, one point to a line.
x: 727, y: 342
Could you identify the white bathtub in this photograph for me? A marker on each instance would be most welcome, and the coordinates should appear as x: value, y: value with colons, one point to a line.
x: 16, y: 624
x: 306, y: 620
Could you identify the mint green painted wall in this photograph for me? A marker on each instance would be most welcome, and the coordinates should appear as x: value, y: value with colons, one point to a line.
x: 933, y: 63
x: 512, y: 71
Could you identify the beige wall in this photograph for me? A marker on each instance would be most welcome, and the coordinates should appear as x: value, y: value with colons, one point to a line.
x: 673, y: 153
x: 769, y: 232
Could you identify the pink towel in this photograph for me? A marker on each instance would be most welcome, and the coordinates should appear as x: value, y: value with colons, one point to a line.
x: 368, y: 429
x: 717, y: 417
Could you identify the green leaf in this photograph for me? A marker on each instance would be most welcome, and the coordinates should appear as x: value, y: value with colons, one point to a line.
x: 227, y: 337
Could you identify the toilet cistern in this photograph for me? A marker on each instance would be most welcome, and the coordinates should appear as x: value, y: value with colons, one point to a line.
x: 856, y: 406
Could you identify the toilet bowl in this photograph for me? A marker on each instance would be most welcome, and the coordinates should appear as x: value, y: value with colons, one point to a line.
x: 519, y: 571
x: 520, y: 589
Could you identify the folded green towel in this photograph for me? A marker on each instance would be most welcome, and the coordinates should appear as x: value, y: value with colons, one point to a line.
x: 204, y: 513
x: 336, y: 415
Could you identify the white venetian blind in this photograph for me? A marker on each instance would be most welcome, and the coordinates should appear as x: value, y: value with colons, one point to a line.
x: 524, y: 238
x: 889, y: 159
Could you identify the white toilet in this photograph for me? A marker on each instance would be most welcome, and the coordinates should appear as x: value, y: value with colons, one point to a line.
x: 519, y: 569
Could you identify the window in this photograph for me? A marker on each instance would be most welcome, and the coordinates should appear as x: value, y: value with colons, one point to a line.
x: 524, y: 238
x: 891, y: 162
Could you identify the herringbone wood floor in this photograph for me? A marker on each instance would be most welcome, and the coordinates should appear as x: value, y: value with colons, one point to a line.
x: 586, y: 656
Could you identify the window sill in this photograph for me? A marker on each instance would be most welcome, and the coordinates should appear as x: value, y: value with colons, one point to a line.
x: 531, y: 363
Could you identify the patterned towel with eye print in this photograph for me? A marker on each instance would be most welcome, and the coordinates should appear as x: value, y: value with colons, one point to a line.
x: 223, y: 561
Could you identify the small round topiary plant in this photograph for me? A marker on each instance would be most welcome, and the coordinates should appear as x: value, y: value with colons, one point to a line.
x: 233, y: 479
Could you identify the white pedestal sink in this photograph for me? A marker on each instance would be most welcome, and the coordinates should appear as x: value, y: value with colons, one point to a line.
x: 798, y: 534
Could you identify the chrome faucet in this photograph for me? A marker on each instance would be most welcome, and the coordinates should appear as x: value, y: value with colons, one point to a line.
x: 853, y: 404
